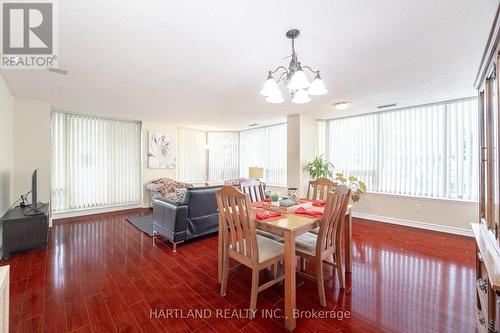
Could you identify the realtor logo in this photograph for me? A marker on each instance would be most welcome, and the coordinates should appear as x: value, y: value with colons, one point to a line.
x: 28, y: 34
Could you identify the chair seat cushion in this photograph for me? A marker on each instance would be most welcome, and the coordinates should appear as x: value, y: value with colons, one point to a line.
x: 315, y: 231
x: 269, y: 235
x: 306, y: 243
x: 268, y: 248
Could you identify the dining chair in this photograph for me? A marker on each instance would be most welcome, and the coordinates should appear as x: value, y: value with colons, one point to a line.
x: 241, y: 243
x: 318, y: 189
x: 255, y: 189
x: 326, y: 243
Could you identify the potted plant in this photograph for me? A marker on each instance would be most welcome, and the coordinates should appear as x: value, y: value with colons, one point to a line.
x: 319, y: 168
x: 275, y: 196
x: 356, y: 186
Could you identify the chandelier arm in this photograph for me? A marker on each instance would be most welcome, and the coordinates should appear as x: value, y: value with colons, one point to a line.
x: 278, y: 68
x: 309, y: 68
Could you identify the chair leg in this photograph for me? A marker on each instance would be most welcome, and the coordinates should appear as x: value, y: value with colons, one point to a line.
x: 302, y: 263
x: 253, y: 296
x: 320, y: 282
x: 225, y: 272
x: 339, y: 267
x: 275, y: 270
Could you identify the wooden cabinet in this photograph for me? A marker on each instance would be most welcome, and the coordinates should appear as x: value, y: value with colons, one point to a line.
x: 487, y: 229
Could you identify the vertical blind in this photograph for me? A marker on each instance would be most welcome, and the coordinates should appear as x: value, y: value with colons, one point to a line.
x: 429, y: 151
x: 192, y: 166
x: 96, y: 162
x: 265, y: 148
x: 223, y: 155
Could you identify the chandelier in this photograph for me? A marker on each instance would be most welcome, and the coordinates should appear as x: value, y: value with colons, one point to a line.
x: 295, y: 79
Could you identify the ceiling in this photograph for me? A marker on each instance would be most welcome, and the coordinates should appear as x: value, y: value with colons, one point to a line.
x: 202, y: 63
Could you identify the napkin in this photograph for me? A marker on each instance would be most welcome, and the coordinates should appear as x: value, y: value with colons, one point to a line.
x: 268, y: 200
x: 319, y: 202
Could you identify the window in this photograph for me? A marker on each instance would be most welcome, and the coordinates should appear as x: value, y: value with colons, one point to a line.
x: 96, y: 162
x: 223, y: 155
x: 429, y: 151
x: 266, y: 148
x: 192, y: 164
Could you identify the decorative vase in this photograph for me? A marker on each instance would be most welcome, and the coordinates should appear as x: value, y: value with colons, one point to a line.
x: 293, y: 194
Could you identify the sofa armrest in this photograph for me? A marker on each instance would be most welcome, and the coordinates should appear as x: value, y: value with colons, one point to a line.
x: 169, y: 218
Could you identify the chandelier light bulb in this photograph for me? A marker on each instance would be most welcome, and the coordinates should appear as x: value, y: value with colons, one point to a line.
x: 317, y: 87
x: 301, y: 97
x: 299, y: 80
x: 270, y: 87
x: 275, y: 98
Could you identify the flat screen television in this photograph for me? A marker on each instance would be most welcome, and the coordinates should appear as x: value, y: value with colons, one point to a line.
x: 35, y: 206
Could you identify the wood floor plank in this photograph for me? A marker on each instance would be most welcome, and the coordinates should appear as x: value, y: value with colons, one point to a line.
x: 100, y: 317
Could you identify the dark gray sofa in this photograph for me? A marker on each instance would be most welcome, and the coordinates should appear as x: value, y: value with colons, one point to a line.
x: 194, y: 217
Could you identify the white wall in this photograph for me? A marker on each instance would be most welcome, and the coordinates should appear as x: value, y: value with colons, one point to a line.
x: 435, y: 214
x: 6, y: 139
x: 151, y: 174
x: 31, y: 146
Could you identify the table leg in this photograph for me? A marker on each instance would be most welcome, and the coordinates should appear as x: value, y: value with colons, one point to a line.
x: 290, y: 284
x: 348, y: 241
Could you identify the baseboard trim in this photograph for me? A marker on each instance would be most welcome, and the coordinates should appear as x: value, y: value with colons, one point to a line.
x: 414, y: 224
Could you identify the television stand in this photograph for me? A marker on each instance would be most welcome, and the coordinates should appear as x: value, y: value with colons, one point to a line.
x: 20, y: 231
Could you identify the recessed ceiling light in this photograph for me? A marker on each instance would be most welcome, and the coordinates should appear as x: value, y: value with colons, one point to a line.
x: 341, y: 105
x: 252, y: 125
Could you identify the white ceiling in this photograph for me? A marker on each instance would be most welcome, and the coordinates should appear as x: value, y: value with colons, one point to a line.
x: 202, y: 63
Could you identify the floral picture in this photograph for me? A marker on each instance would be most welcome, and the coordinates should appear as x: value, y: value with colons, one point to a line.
x: 162, y: 151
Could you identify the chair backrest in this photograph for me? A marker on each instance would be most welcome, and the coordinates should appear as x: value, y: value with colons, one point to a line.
x: 318, y: 189
x: 255, y: 189
x: 331, y: 224
x: 237, y: 224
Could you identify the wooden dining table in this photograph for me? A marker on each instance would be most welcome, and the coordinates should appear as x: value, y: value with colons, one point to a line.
x: 289, y: 227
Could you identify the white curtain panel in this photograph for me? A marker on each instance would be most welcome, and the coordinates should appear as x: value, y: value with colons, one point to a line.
x: 192, y: 166
x: 223, y: 155
x: 96, y: 162
x: 353, y: 147
x: 277, y: 155
x: 321, y: 135
x: 266, y: 148
x: 429, y: 151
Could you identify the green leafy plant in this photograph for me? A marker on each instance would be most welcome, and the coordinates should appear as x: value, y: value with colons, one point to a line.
x: 356, y: 186
x: 275, y: 196
x: 319, y: 168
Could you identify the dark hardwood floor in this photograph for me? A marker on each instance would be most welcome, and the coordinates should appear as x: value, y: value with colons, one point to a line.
x: 100, y: 274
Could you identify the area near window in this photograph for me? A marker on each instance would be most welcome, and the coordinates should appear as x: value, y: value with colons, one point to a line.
x: 266, y: 148
x: 428, y: 151
x: 227, y: 155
